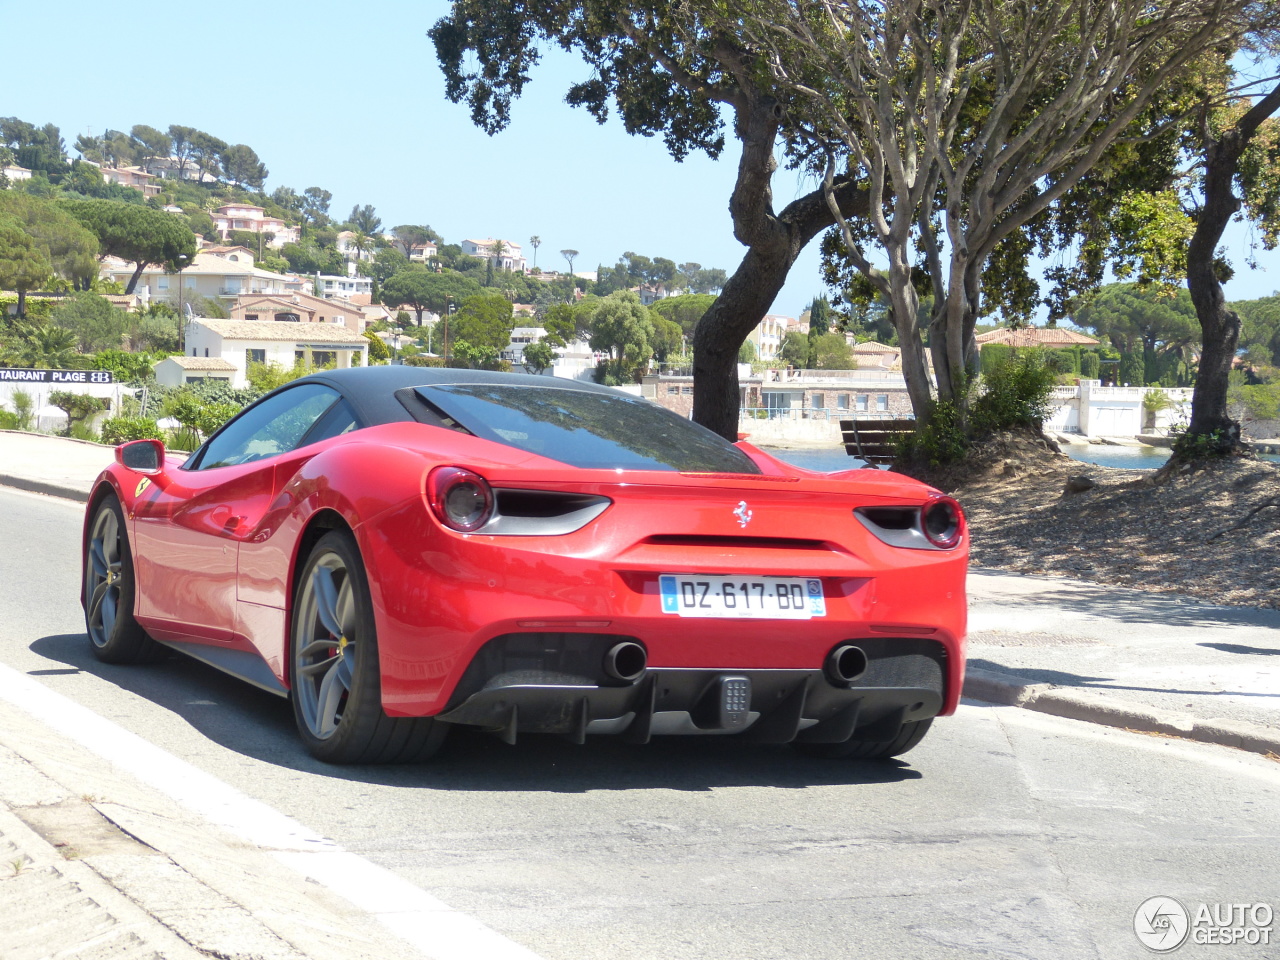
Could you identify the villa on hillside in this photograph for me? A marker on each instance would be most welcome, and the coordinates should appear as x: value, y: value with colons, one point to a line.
x: 237, y: 343
x: 247, y: 217
x: 134, y: 177
x: 511, y: 259
x: 1051, y: 337
x: 212, y: 275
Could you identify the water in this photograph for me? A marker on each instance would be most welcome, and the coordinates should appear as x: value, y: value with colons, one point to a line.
x: 1126, y: 458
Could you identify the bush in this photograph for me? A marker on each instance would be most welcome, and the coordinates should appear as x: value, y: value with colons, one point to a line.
x: 77, y: 406
x: 1090, y: 366
x: 1016, y: 394
x: 9, y: 421
x: 422, y: 361
x: 940, y: 442
x: 123, y: 429
x: 24, y: 406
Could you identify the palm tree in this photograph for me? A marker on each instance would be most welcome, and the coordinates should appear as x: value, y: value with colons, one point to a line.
x: 535, y: 241
x: 360, y: 242
x: 42, y: 346
x: 497, y: 251
x: 569, y: 255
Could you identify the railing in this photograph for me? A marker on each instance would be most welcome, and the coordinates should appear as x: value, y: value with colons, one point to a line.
x: 811, y: 413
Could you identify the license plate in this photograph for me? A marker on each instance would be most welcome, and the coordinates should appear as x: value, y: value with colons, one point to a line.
x: 748, y: 598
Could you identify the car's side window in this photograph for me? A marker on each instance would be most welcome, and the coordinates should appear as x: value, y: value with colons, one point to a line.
x: 339, y: 419
x: 274, y: 426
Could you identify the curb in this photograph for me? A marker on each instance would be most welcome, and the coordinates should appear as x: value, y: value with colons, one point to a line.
x: 41, y: 486
x: 1094, y: 706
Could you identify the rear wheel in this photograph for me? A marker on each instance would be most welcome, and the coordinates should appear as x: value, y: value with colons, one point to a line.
x: 913, y: 732
x: 114, y: 636
x: 333, y: 667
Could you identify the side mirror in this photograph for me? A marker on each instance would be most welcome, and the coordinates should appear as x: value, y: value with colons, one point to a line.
x: 141, y: 456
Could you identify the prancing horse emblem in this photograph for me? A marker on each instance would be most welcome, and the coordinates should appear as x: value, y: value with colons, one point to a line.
x: 743, y: 513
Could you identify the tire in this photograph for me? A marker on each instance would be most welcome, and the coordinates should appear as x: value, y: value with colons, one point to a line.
x: 114, y: 636
x: 334, y: 676
x: 913, y: 732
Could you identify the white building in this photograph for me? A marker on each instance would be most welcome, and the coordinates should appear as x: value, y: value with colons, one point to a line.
x: 511, y: 258
x: 223, y: 276
x: 241, y: 342
x: 1097, y: 411
x: 345, y: 288
x: 245, y: 216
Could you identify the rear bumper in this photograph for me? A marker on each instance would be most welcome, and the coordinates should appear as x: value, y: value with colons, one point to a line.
x: 905, y: 681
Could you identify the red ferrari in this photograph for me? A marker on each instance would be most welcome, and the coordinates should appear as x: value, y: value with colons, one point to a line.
x: 401, y: 549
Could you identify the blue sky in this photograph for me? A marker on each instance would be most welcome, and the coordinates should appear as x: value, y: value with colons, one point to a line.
x: 349, y: 98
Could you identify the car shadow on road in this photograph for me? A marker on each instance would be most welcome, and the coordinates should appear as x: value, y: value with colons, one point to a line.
x: 1062, y: 678
x: 260, y: 725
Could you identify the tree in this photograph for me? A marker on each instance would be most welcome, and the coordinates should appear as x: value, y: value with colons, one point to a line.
x: 93, y: 320
x: 39, y: 149
x: 673, y: 75
x: 1150, y: 322
x: 139, y: 234
x: 535, y: 241
x: 483, y: 320
x: 182, y: 149
x: 152, y: 141
x: 668, y: 338
x: 971, y: 125
x: 315, y: 205
x: 569, y: 255
x: 410, y: 235
x: 23, y: 265
x: 622, y: 327
x: 686, y: 310
x: 39, y: 345
x: 412, y: 287
x: 206, y: 152
x: 287, y: 198
x: 365, y: 219
x: 794, y: 349
x: 819, y: 316
x: 385, y: 263
x: 538, y: 356
x: 1225, y: 147
x: 77, y: 406
x: 70, y: 248
x: 689, y: 275
x: 241, y: 166
x: 831, y: 351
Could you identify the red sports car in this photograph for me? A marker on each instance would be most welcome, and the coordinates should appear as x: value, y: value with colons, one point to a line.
x: 400, y: 549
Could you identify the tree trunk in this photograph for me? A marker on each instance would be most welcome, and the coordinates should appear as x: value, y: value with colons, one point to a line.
x: 773, y: 242
x: 137, y: 275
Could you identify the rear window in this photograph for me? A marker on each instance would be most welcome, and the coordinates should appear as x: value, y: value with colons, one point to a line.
x: 587, y: 429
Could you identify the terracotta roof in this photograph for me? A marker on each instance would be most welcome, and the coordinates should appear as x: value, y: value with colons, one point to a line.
x: 1036, y: 337
x: 283, y: 330
x: 874, y: 346
x: 202, y: 363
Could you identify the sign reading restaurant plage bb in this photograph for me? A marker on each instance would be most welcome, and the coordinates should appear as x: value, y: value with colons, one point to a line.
x: 21, y: 375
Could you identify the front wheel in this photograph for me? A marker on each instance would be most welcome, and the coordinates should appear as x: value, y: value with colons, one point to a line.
x: 114, y: 636
x: 335, y: 680
x: 912, y: 733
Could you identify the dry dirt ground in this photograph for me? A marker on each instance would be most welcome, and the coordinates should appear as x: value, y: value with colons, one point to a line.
x: 1211, y: 533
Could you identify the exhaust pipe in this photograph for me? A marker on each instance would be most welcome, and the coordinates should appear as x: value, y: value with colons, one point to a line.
x: 626, y: 661
x: 846, y: 664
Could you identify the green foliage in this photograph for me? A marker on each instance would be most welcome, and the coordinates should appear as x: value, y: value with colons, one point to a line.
x: 484, y: 321
x: 831, y: 351
x: 1133, y: 317
x: 1132, y: 370
x: 423, y: 361
x: 747, y: 352
x: 939, y: 441
x: 40, y: 345
x: 70, y: 249
x: 94, y: 321
x: 685, y: 310
x: 23, y: 265
x: 538, y: 356
x: 1014, y: 394
x: 1090, y: 366
x: 196, y: 414
x: 1188, y: 446
x: 621, y: 326
x: 116, y: 430
x: 135, y: 233
x: 24, y: 408
x: 377, y: 347
x: 77, y: 406
x: 9, y: 420
x: 265, y: 377
x: 794, y: 349
x: 125, y: 366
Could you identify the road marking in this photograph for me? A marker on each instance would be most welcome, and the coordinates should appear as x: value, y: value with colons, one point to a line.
x: 429, y: 925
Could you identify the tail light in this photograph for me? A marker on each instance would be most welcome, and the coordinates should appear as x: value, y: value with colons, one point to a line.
x: 942, y: 521
x: 460, y: 499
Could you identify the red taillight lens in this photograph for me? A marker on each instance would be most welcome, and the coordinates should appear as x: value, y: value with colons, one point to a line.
x: 942, y: 522
x: 460, y: 499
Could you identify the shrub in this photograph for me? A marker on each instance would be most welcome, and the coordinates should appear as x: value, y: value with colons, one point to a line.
x: 9, y: 420
x: 1016, y: 394
x: 123, y: 429
x: 423, y: 361
x: 77, y: 406
x: 1090, y: 366
x: 940, y: 442
x: 24, y: 407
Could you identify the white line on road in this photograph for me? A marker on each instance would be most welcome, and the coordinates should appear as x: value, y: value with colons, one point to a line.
x: 429, y: 925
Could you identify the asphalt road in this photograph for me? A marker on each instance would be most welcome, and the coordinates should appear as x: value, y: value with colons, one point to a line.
x: 1005, y: 834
